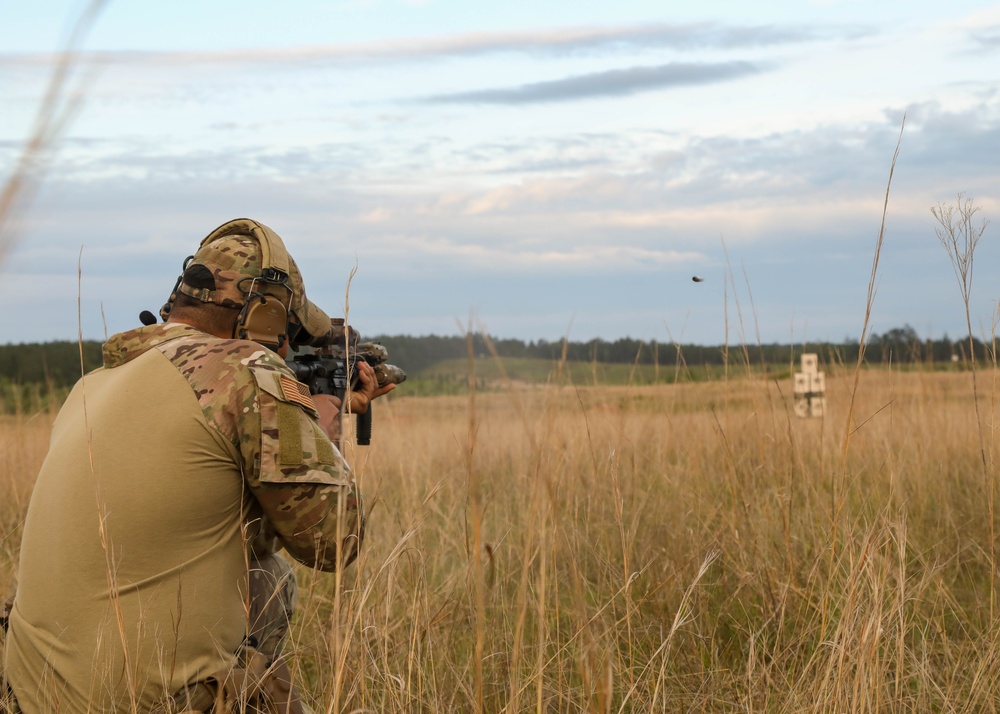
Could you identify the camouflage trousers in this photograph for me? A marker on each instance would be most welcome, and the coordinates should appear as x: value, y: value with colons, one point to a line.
x: 260, y: 682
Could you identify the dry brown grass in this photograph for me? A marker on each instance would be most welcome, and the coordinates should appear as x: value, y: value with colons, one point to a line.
x: 655, y: 549
x: 23, y: 443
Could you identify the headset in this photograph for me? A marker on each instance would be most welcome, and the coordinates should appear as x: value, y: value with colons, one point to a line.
x: 263, y: 317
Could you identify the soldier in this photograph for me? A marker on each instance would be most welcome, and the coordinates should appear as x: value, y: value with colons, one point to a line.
x: 149, y: 579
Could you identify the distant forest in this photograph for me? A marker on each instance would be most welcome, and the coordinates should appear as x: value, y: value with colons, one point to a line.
x: 58, y: 363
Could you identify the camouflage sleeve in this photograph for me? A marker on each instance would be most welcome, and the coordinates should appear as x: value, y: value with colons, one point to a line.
x: 304, y: 486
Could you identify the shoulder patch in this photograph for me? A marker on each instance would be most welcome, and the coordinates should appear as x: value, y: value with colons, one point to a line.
x: 283, y: 387
x: 294, y: 391
x: 293, y: 448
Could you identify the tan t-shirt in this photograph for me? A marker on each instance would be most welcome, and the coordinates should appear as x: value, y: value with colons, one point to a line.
x: 132, y: 578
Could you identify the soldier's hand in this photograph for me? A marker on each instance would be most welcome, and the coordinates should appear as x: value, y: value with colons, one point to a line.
x: 328, y: 407
x: 368, y: 389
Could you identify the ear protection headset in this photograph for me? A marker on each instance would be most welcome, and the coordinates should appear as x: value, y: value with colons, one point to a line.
x: 264, y: 317
x: 267, y: 297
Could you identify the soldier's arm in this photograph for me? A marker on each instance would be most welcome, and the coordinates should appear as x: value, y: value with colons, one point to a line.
x: 302, y: 483
x: 320, y: 526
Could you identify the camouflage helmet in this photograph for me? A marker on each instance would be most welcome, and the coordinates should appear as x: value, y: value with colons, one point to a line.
x: 245, y: 256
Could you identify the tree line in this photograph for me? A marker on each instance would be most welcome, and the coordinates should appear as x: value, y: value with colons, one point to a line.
x: 58, y: 364
x: 898, y: 346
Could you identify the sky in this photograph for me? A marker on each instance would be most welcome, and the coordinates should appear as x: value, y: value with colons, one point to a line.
x: 534, y: 170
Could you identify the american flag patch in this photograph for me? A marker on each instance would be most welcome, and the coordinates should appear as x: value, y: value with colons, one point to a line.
x: 297, y: 392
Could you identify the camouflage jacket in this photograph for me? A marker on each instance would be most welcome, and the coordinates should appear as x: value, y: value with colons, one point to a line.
x: 304, y: 487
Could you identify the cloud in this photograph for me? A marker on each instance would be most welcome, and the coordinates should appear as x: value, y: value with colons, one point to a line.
x: 629, y: 171
x: 561, y: 41
x: 616, y: 82
x: 523, y: 257
x: 634, y: 216
x: 638, y: 172
x: 986, y: 39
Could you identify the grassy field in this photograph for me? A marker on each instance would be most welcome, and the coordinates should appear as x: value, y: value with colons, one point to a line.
x: 452, y: 376
x: 670, y: 548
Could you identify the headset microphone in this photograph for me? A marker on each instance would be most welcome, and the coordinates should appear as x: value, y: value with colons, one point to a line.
x: 147, y: 318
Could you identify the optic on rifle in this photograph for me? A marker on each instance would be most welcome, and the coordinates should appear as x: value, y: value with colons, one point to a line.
x: 332, y: 369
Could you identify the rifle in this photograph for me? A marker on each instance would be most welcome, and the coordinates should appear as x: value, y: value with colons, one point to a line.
x: 331, y: 369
